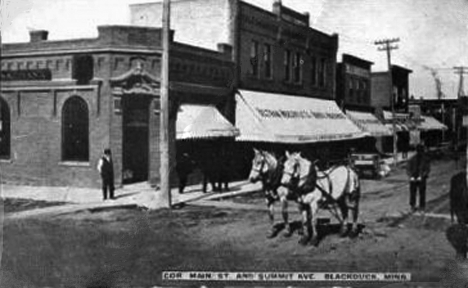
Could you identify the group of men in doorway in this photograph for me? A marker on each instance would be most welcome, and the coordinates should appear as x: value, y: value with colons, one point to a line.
x: 214, y: 170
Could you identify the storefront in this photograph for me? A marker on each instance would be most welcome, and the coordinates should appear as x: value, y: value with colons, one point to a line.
x: 431, y: 131
x: 279, y: 122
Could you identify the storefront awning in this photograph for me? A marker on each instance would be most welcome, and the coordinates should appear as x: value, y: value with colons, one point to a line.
x: 430, y: 123
x: 268, y: 117
x: 402, y: 121
x: 202, y: 121
x: 369, y: 123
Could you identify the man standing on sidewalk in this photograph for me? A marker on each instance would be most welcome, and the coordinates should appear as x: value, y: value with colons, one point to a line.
x: 106, y: 169
x: 418, y: 169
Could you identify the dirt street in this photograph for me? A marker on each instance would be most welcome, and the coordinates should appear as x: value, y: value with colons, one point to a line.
x: 122, y: 248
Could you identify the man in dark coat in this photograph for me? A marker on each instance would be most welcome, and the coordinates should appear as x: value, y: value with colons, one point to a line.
x: 184, y: 166
x: 418, y: 169
x: 106, y: 169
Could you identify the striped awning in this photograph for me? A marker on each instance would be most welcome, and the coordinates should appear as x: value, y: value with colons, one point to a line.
x: 369, y: 123
x: 202, y: 121
x: 430, y: 123
x: 278, y: 118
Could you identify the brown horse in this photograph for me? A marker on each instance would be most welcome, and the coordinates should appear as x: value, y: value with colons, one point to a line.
x: 338, y: 187
x: 457, y: 234
x: 268, y: 169
x: 459, y: 198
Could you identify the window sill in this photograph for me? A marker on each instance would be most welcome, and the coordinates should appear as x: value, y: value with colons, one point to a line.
x: 74, y: 164
x: 5, y: 160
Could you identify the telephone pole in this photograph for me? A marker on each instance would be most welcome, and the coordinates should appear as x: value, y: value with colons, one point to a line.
x: 164, y: 113
x: 460, y: 70
x: 386, y: 46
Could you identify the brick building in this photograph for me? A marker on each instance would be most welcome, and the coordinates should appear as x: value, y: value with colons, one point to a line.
x: 277, y: 56
x: 63, y: 102
x: 380, y: 89
x: 274, y: 51
x: 353, y: 83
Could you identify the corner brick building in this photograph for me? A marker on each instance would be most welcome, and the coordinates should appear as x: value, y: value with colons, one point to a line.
x: 63, y: 102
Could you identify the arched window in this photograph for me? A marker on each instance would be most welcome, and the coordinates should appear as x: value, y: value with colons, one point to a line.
x: 75, y: 130
x: 5, y: 133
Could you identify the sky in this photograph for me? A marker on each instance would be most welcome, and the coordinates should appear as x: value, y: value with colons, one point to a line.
x: 433, y: 33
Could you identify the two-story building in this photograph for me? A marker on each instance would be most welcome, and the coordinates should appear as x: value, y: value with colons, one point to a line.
x: 63, y: 102
x: 284, y: 69
x: 387, y: 92
x: 380, y: 90
x: 353, y: 95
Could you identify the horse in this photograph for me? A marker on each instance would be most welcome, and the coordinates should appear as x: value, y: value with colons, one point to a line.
x: 459, y: 198
x: 268, y: 169
x: 337, y: 186
x: 458, y: 234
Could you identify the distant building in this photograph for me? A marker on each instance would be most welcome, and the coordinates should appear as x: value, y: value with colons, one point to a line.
x: 63, y: 102
x: 274, y: 51
x: 353, y: 83
x: 380, y: 91
x: 445, y: 111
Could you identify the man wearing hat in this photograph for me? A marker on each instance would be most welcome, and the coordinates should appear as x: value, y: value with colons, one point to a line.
x: 418, y: 169
x: 106, y: 169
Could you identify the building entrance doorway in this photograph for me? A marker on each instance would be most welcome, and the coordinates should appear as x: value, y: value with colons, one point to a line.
x: 135, y: 158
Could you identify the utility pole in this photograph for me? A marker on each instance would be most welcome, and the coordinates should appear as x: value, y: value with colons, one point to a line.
x: 164, y: 143
x: 460, y: 70
x: 386, y: 46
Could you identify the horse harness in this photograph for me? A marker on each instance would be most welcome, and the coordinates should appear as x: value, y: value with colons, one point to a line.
x: 270, y: 179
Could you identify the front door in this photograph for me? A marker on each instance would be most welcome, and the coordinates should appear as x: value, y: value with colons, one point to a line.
x: 135, y: 139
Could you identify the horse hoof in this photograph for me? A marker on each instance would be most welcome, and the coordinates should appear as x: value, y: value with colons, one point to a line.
x: 343, y: 233
x: 287, y: 234
x: 303, y: 241
x: 354, y: 233
x: 314, y: 242
x: 271, y: 234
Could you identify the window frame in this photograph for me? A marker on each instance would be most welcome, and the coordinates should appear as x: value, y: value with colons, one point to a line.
x: 267, y: 61
x: 72, y: 108
x: 297, y: 68
x: 5, y: 124
x: 253, y: 58
x: 287, y: 65
x: 313, y: 60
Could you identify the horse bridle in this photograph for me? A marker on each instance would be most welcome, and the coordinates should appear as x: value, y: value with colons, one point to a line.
x: 292, y: 174
x: 260, y: 169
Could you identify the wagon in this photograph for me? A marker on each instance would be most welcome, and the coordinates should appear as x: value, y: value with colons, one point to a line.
x: 366, y: 164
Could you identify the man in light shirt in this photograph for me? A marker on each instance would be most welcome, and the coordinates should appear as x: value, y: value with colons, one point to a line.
x: 106, y: 169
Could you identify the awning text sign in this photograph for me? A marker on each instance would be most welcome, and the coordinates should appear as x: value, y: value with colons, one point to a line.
x: 301, y: 114
x: 270, y: 117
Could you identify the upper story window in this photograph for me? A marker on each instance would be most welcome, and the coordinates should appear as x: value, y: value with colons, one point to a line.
x: 83, y: 69
x: 297, y: 68
x: 287, y: 65
x: 75, y: 130
x: 254, y: 58
x: 351, y: 90
x: 314, y: 71
x: 322, y: 72
x: 267, y: 65
x: 5, y: 132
